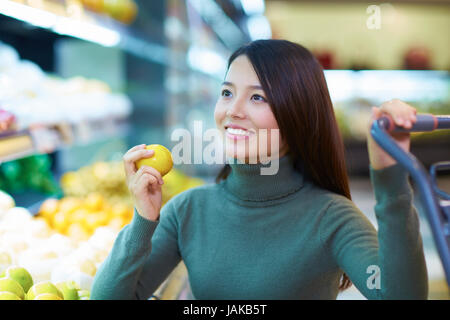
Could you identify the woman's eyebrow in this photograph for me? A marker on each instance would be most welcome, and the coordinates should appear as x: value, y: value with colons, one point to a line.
x: 227, y: 83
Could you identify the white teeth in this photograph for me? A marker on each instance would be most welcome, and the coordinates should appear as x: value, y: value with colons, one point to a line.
x: 239, y: 132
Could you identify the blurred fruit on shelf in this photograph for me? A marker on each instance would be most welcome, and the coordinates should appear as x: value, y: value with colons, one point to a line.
x: 70, y: 101
x: 93, y: 5
x: 32, y: 172
x: 107, y: 179
x: 79, y: 217
x: 124, y: 11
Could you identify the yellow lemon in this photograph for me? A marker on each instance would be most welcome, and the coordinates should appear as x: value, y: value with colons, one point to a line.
x: 69, y: 204
x: 49, y: 207
x: 79, y: 215
x: 60, y: 221
x: 95, y: 220
x: 161, y: 159
x: 94, y: 202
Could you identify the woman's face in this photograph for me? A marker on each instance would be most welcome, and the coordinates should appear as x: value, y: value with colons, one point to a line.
x: 243, y: 103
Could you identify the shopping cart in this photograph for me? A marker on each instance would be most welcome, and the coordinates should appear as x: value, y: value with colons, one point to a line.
x: 435, y: 202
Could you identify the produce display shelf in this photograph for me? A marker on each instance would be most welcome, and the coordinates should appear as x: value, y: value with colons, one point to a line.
x: 48, y: 138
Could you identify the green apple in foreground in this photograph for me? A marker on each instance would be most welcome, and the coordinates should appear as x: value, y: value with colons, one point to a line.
x: 69, y: 289
x: 11, y: 285
x: 6, y: 295
x: 43, y: 287
x: 21, y: 275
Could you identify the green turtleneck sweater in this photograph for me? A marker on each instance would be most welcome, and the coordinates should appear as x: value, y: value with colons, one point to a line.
x: 279, y: 236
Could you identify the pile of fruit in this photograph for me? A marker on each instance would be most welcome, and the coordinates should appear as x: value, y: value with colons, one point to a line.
x: 79, y: 217
x: 16, y: 283
x: 124, y: 11
x: 34, y: 97
x: 104, y: 178
x: 29, y: 242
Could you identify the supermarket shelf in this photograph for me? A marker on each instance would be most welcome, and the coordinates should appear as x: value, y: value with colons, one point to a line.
x: 89, y: 26
x: 49, y: 138
x: 96, y: 28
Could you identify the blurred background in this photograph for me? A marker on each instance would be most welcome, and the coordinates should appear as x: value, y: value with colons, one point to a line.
x: 82, y: 81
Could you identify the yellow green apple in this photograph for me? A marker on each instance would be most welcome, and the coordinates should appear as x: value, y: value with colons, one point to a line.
x: 161, y: 159
x: 21, y: 275
x: 43, y: 287
x: 11, y: 285
x: 69, y: 289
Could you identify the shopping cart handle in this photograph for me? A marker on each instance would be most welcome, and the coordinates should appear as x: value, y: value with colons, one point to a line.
x: 425, y: 122
x: 380, y: 132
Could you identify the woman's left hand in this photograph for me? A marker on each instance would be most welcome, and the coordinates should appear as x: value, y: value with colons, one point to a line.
x: 403, y: 115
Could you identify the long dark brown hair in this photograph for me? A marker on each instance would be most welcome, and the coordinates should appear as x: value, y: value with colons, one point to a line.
x: 296, y: 90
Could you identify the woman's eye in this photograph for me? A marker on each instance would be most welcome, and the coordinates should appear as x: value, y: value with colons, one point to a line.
x: 257, y: 97
x: 226, y: 93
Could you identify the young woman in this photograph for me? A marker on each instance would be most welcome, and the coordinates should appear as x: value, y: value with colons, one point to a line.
x: 292, y: 235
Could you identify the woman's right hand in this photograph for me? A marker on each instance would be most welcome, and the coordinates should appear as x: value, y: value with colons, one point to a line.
x: 144, y: 184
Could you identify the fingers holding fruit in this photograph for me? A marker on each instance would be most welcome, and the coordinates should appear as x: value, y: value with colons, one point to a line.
x: 145, y: 177
x: 145, y: 166
x: 131, y: 156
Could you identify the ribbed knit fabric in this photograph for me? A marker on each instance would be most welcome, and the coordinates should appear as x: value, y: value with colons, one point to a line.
x: 279, y: 236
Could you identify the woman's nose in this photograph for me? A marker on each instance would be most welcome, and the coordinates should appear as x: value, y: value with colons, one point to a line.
x: 236, y: 110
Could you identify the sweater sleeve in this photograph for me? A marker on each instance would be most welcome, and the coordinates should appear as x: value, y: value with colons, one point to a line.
x: 143, y: 255
x: 390, y: 263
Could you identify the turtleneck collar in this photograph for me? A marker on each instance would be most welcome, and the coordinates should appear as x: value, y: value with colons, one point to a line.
x: 246, y: 182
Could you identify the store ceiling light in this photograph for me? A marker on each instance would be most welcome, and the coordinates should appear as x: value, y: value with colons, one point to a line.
x: 252, y: 7
x: 59, y: 24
